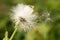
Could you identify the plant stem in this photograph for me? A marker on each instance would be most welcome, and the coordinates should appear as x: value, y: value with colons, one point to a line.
x: 6, y: 36
x: 13, y: 34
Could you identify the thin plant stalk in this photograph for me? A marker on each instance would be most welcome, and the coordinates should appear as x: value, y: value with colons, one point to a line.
x: 13, y: 33
x: 6, y: 36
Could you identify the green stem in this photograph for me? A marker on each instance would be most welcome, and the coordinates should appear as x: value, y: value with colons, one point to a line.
x: 6, y: 36
x: 13, y: 34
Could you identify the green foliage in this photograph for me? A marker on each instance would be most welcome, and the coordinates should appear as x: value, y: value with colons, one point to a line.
x: 42, y: 31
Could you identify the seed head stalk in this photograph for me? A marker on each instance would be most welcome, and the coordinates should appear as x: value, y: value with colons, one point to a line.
x: 13, y: 33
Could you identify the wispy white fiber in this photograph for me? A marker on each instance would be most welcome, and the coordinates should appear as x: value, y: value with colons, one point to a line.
x: 24, y: 12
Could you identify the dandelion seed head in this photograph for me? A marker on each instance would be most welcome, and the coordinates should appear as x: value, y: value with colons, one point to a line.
x: 22, y: 14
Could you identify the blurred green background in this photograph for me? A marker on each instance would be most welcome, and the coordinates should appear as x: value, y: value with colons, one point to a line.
x: 43, y: 31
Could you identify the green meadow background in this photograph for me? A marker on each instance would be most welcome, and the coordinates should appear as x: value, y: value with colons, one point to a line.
x: 43, y: 31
